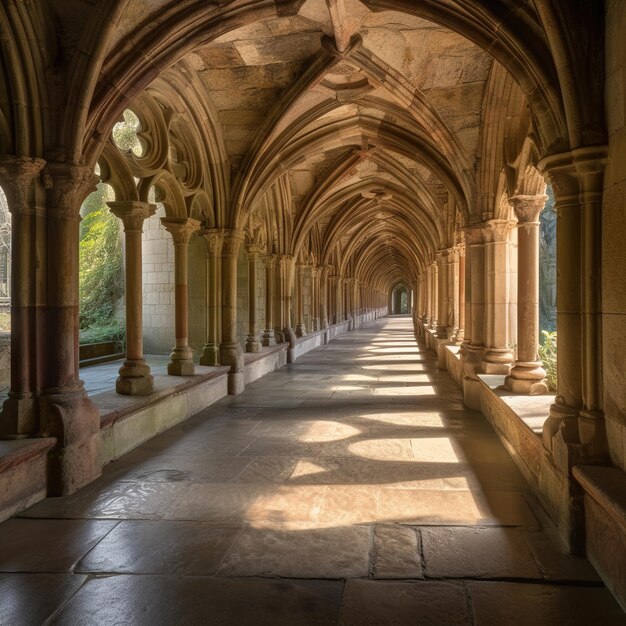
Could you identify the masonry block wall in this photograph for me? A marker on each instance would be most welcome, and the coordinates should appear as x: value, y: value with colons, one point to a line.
x: 158, y: 286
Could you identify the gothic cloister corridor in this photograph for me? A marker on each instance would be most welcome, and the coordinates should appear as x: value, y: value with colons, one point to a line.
x: 352, y: 487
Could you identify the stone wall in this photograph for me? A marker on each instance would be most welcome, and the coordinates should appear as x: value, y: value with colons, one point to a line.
x: 158, y: 286
x: 614, y: 227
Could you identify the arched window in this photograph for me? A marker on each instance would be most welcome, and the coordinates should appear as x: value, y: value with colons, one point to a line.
x: 5, y: 262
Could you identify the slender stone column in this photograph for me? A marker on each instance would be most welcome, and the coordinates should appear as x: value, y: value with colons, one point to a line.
x: 427, y: 286
x: 286, y: 267
x: 230, y: 350
x: 211, y: 350
x: 315, y: 297
x: 575, y: 431
x: 453, y: 292
x: 442, y: 275
x: 434, y: 295
x: 66, y: 411
x: 300, y: 323
x: 324, y: 305
x: 20, y: 179
x: 268, y: 334
x: 460, y: 333
x: 181, y: 357
x: 135, y: 378
x: 498, y: 355
x: 528, y: 375
x: 252, y: 341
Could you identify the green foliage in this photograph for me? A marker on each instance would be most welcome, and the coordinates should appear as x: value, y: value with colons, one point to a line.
x: 100, y: 263
x: 547, y: 354
x: 125, y: 134
x: 115, y: 331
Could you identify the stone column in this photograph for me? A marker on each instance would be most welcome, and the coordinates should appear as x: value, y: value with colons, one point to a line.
x: 66, y: 411
x: 498, y: 355
x: 315, y: 298
x: 324, y: 308
x: 460, y: 333
x: 442, y: 276
x: 286, y: 270
x: 135, y: 378
x: 434, y: 295
x: 230, y: 351
x: 181, y: 357
x: 268, y: 334
x: 300, y: 323
x: 575, y: 431
x: 427, y: 287
x: 211, y: 350
x: 528, y: 375
x: 20, y: 179
x: 453, y: 292
x: 252, y: 340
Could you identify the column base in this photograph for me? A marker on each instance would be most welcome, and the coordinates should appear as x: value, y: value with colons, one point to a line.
x: 527, y: 378
x: 442, y: 332
x: 236, y: 383
x: 181, y: 363
x: 18, y: 419
x: 300, y: 330
x: 497, y: 361
x: 268, y: 338
x: 74, y: 420
x: 315, y: 325
x: 253, y: 344
x: 289, y: 335
x: 134, y: 379
x: 210, y: 355
x: 279, y: 336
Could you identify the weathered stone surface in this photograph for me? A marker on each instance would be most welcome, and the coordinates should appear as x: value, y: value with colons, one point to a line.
x: 397, y: 552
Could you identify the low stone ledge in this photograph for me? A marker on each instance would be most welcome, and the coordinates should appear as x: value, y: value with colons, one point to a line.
x: 128, y: 421
x: 605, y: 523
x: 269, y: 359
x: 305, y: 344
x: 23, y: 474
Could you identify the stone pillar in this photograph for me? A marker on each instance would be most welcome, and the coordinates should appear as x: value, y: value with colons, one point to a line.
x: 230, y: 351
x: 135, y: 378
x: 252, y: 340
x: 453, y: 292
x: 498, y: 355
x: 324, y: 310
x: 434, y: 295
x: 300, y: 323
x: 268, y: 334
x: 427, y: 287
x: 66, y: 411
x: 211, y: 350
x: 20, y: 179
x: 528, y: 375
x: 315, y: 298
x: 575, y: 431
x: 181, y: 357
x: 442, y: 313
x: 460, y: 333
x: 286, y: 268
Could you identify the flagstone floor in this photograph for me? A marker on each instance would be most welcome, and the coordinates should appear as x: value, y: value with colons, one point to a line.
x: 351, y: 488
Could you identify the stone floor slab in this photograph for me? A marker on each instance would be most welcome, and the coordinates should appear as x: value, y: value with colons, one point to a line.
x: 377, y: 603
x: 193, y: 601
x: 519, y: 604
x: 299, y: 551
x: 397, y: 552
x: 30, y: 599
x: 48, y: 545
x: 161, y: 547
x: 477, y: 553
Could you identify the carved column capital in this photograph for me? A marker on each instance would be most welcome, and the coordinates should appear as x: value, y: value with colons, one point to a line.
x: 255, y: 251
x: 497, y: 230
x: 473, y: 235
x: 19, y: 177
x: 213, y: 238
x: 231, y: 242
x: 132, y: 213
x: 528, y: 208
x: 181, y: 228
x: 67, y: 186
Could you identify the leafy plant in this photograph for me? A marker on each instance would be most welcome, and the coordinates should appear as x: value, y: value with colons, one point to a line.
x: 100, y: 263
x: 547, y: 354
